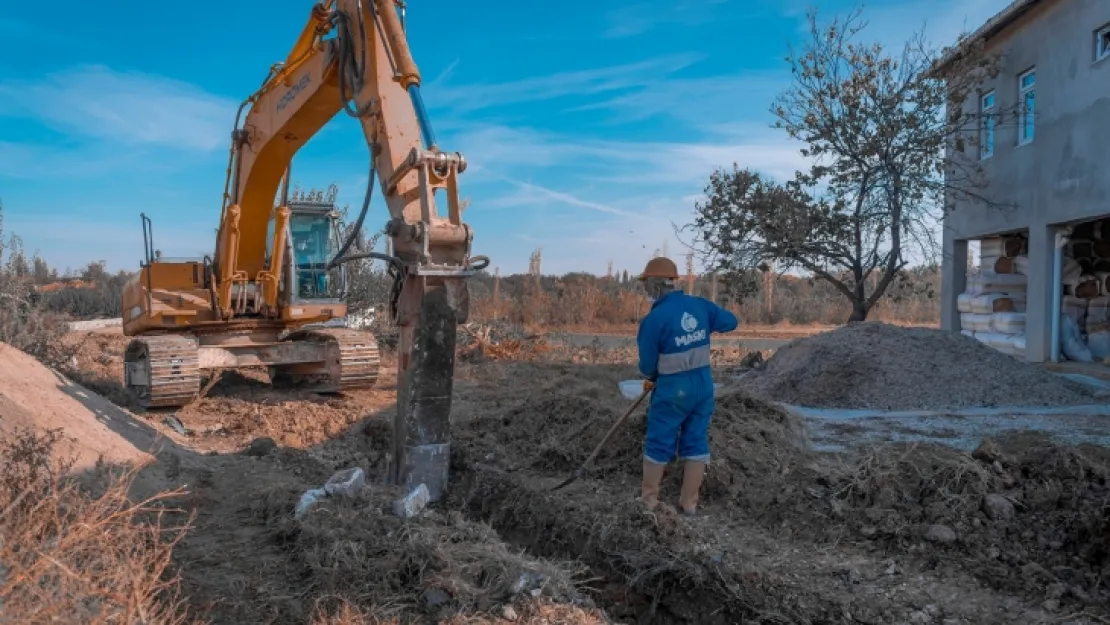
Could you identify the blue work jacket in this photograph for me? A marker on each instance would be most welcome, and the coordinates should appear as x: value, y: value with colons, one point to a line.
x: 673, y: 338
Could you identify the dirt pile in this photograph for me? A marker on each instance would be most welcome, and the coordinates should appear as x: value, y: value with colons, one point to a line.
x: 556, y: 428
x: 884, y: 367
x: 439, y: 566
x: 786, y: 533
x: 349, y: 559
x: 1027, y: 518
x: 36, y: 398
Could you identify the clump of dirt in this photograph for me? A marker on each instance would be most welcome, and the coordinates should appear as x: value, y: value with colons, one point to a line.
x: 884, y: 367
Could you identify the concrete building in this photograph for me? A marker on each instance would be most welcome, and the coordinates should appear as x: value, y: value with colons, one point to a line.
x: 1053, y: 166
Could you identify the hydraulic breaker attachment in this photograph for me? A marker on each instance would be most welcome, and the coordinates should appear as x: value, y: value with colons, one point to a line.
x: 430, y: 304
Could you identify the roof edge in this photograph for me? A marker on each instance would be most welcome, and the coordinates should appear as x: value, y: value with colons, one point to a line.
x: 995, y: 25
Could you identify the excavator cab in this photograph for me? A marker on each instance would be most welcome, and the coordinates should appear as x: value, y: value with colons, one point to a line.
x: 313, y: 239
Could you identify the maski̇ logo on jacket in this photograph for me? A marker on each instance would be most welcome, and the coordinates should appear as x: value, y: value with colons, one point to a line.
x: 690, y: 326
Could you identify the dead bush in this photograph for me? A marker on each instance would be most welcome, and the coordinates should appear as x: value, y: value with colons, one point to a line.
x: 69, y: 555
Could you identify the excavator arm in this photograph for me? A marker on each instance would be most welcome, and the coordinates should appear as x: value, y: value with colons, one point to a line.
x: 353, y: 55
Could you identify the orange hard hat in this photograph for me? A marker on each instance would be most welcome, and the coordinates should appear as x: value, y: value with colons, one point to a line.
x: 660, y: 267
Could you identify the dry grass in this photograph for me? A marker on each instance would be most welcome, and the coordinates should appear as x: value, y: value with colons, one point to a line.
x: 577, y: 301
x: 536, y: 612
x: 68, y: 555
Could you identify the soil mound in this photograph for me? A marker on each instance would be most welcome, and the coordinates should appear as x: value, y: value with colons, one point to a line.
x: 32, y: 397
x: 555, y: 431
x: 439, y: 566
x: 883, y: 367
x: 1033, y: 521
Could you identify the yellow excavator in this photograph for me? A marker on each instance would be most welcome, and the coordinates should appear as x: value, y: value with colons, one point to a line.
x: 277, y: 275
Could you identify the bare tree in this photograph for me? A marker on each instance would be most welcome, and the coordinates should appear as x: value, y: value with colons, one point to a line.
x: 875, y: 129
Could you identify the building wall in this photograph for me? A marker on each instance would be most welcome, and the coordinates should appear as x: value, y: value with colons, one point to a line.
x: 1063, y: 175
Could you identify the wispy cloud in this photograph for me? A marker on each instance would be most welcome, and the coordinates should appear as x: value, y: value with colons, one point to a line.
x: 586, y: 82
x: 130, y: 108
x: 444, y: 74
x: 711, y: 100
x: 639, y: 18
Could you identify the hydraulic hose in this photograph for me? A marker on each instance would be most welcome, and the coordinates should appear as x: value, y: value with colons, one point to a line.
x: 339, y: 258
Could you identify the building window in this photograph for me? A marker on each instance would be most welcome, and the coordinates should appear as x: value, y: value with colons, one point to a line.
x: 986, y: 125
x: 1027, y: 98
x: 1102, y: 43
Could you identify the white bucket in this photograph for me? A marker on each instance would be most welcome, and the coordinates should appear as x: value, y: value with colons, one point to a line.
x: 631, y: 389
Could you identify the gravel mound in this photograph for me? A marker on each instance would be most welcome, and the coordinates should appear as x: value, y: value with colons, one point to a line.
x: 883, y: 367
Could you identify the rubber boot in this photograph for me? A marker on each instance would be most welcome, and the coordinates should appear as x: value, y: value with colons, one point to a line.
x: 653, y: 475
x: 693, y: 473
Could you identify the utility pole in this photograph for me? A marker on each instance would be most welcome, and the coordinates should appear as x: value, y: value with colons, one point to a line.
x: 690, y: 273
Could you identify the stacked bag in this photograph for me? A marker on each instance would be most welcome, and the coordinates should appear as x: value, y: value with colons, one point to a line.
x: 1085, y: 322
x: 992, y: 309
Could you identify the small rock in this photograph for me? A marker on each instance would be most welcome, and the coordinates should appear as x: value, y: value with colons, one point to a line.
x: 998, y: 508
x: 413, y: 503
x: 1051, y: 605
x: 508, y: 613
x: 940, y: 534
x: 868, y: 530
x: 260, y: 447
x: 1034, y: 570
x: 435, y: 597
x: 936, y: 511
x: 987, y: 451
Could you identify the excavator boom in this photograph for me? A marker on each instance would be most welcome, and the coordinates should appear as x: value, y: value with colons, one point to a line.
x: 273, y: 275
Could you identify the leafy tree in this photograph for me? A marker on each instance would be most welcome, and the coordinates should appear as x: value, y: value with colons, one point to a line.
x: 875, y: 129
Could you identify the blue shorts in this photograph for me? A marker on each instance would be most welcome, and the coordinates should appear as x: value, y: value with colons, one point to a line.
x: 678, y: 418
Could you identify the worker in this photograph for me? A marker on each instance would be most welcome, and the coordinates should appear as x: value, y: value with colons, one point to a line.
x: 673, y: 341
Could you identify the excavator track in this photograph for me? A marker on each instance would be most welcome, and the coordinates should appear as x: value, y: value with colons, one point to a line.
x: 162, y: 371
x: 354, y: 361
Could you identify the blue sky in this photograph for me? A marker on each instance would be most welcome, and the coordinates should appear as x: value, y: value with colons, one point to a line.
x: 589, y: 127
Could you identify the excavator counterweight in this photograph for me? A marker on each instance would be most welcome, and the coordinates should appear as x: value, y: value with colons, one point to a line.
x: 276, y: 283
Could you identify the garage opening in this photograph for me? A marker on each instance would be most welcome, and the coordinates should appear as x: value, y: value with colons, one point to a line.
x: 1085, y: 301
x: 992, y: 308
